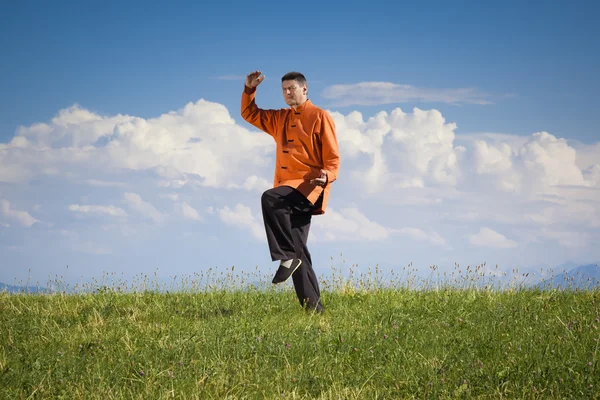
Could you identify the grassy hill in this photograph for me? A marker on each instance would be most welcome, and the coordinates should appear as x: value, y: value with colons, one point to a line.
x: 370, y: 344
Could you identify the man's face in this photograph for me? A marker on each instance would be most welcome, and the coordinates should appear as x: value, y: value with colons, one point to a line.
x: 294, y: 94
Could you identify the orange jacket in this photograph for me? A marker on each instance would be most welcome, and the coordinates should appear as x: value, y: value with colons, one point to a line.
x: 306, y: 143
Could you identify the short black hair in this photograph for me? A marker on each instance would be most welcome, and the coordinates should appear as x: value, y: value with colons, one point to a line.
x: 294, y: 76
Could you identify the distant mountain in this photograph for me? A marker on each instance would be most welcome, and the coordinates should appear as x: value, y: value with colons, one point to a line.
x: 22, y: 289
x: 581, y: 277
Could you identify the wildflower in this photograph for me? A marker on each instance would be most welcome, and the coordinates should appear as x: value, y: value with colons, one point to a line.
x: 287, y: 345
x: 171, y: 374
x: 395, y: 326
x: 141, y: 373
x: 589, y: 364
x: 258, y: 338
x: 355, y: 349
x: 385, y: 336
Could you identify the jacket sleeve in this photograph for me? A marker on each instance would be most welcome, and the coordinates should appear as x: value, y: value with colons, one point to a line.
x: 330, y: 150
x: 265, y: 120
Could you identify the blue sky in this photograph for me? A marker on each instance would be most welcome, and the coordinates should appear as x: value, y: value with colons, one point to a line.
x: 508, y: 95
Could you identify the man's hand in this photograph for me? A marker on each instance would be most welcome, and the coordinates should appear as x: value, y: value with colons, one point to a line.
x: 320, y: 181
x: 253, y: 79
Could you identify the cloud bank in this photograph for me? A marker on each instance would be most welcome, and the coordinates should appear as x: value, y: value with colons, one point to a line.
x: 409, y: 187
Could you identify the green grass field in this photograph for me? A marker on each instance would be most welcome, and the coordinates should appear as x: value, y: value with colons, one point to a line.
x: 372, y: 343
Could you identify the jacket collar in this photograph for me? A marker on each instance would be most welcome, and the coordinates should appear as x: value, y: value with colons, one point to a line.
x: 306, y: 105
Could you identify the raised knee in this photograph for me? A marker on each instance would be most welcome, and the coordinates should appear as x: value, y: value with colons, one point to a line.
x: 267, y: 196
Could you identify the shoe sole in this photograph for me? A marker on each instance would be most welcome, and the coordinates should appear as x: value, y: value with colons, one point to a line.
x: 295, y: 269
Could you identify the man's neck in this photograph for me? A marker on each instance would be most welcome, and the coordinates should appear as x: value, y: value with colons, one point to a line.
x: 299, y: 105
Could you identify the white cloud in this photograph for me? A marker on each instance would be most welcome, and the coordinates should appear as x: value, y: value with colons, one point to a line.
x: 420, y: 235
x: 22, y: 217
x: 402, y: 150
x: 592, y: 174
x: 549, y: 161
x: 170, y: 196
x: 199, y: 143
x: 587, y: 154
x: 189, y: 212
x: 490, y: 238
x: 349, y: 224
x: 101, y: 210
x: 565, y: 210
x: 570, y: 239
x: 257, y: 184
x: 491, y: 159
x: 144, y: 208
x: 374, y: 93
x: 241, y: 217
x: 535, y: 162
x: 496, y: 161
x: 15, y: 162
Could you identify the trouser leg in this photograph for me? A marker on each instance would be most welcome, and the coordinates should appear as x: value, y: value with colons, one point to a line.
x: 287, y: 217
x: 305, y: 279
x: 276, y: 210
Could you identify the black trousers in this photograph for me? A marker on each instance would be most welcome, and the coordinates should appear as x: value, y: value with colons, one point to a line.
x: 287, y: 214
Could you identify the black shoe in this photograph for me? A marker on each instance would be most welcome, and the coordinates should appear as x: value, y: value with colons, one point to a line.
x: 283, y: 273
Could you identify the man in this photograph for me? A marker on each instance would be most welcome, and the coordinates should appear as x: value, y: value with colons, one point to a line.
x: 306, y: 164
